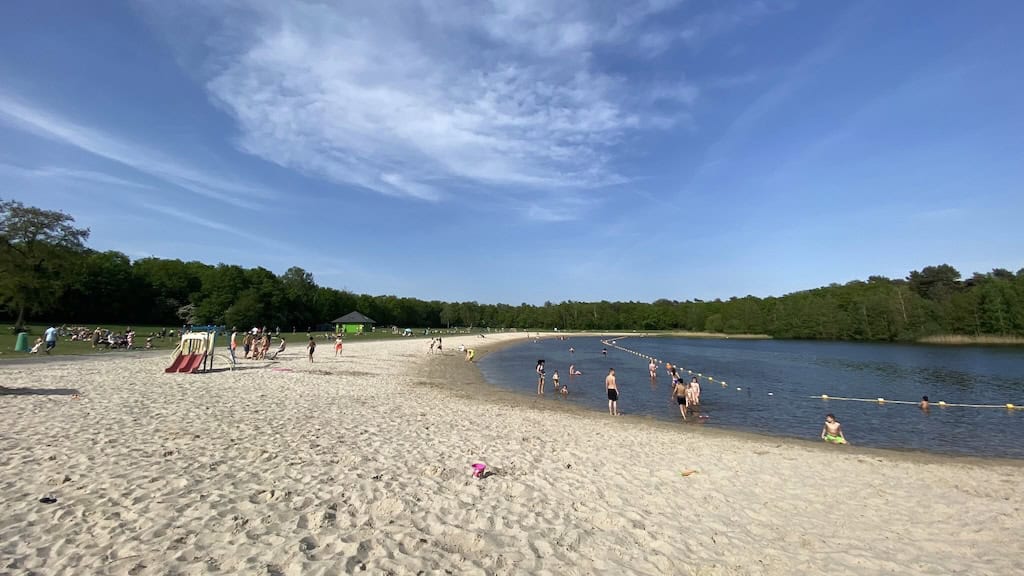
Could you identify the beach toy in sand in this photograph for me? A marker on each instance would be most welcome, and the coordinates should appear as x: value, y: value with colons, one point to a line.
x: 478, y: 469
x: 685, y: 473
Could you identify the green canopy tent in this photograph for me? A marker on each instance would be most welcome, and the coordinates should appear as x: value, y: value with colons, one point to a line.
x: 353, y: 323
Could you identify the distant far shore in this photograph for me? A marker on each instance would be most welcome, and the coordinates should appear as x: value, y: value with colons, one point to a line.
x: 966, y: 340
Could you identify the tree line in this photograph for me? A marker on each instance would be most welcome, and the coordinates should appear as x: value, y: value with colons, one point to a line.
x: 48, y: 273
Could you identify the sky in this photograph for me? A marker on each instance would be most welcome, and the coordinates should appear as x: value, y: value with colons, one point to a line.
x: 526, y: 151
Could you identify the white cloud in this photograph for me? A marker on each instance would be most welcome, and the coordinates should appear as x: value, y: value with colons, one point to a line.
x: 50, y: 126
x: 431, y: 99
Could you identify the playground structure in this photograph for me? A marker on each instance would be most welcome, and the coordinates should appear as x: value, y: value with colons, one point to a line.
x: 195, y: 353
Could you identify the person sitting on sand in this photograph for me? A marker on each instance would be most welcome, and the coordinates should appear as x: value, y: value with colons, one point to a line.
x: 612, y: 388
x: 923, y: 404
x: 36, y: 346
x: 679, y: 396
x: 832, y: 431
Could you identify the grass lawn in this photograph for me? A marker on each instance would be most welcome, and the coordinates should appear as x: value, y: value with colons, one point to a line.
x: 66, y: 347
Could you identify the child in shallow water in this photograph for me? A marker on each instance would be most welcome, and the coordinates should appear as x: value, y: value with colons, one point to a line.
x: 832, y: 431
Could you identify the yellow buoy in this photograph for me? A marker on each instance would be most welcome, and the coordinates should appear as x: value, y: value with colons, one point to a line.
x: 1009, y: 406
x: 941, y: 403
x: 881, y: 400
x: 824, y: 396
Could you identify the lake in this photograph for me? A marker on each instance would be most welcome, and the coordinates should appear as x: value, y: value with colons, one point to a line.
x: 770, y: 383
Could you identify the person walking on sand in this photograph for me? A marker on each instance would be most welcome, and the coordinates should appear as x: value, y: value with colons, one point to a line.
x: 311, y: 347
x: 540, y: 377
x: 613, y: 392
x: 832, y: 431
x: 433, y: 342
x: 653, y: 369
x: 679, y: 396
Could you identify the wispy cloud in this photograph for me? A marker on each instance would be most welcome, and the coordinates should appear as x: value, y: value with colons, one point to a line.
x: 70, y: 174
x: 191, y: 218
x: 430, y: 100
x: 138, y: 157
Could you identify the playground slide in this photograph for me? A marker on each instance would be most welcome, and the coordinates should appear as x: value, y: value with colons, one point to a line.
x: 192, y: 362
x: 177, y: 364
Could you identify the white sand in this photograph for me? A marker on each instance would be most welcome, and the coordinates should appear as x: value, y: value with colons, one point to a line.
x: 362, y: 464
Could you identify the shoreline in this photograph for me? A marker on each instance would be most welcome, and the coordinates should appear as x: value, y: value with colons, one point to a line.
x: 486, y: 392
x: 363, y: 464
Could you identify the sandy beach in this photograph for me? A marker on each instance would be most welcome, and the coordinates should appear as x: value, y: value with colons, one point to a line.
x: 362, y: 464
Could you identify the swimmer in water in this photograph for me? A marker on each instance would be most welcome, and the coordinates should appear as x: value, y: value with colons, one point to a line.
x: 554, y: 380
x: 832, y: 431
x: 923, y: 404
x: 604, y: 351
x: 679, y: 396
x: 653, y: 369
x: 693, y: 392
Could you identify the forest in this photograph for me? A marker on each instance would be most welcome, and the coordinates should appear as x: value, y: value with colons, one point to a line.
x: 48, y: 273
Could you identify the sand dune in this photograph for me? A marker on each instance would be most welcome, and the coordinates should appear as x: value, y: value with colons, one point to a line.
x: 362, y: 465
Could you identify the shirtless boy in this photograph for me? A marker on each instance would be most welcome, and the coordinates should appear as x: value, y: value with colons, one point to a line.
x: 653, y: 369
x: 679, y: 395
x: 613, y: 392
x: 832, y: 431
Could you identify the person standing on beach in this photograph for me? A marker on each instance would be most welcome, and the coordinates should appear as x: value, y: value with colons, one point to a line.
x: 540, y: 377
x: 653, y: 369
x: 339, y: 343
x: 311, y: 347
x: 613, y: 392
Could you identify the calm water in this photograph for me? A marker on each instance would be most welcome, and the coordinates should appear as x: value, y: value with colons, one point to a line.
x: 777, y: 377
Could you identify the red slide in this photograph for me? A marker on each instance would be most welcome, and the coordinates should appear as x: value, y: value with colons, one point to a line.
x: 185, y: 363
x: 177, y: 364
x: 192, y: 362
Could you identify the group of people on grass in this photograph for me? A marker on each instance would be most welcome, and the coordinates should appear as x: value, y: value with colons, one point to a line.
x: 99, y: 338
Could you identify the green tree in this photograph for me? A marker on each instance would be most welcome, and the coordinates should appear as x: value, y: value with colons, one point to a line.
x: 36, y: 248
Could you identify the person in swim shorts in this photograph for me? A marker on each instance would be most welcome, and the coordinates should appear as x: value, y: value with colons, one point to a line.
x: 832, y: 431
x: 613, y: 392
x: 679, y: 396
x: 338, y: 345
x: 653, y: 369
x: 554, y: 380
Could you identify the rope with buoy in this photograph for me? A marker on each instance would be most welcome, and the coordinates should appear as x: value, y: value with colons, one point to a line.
x: 880, y: 401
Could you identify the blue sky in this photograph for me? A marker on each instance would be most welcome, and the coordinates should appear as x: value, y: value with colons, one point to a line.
x: 522, y: 151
